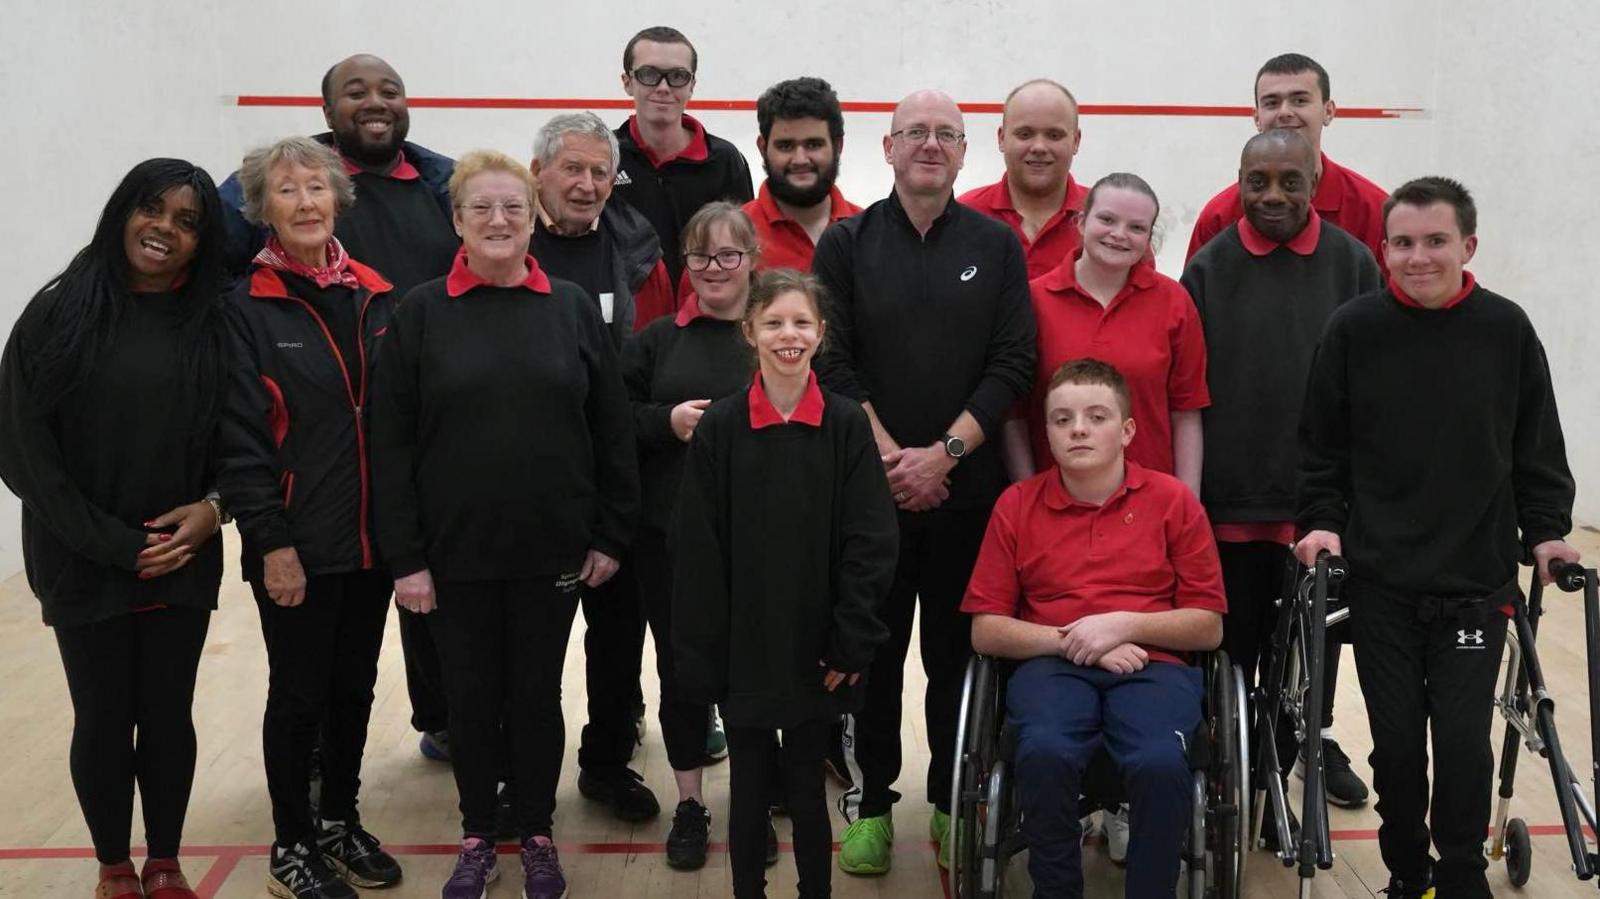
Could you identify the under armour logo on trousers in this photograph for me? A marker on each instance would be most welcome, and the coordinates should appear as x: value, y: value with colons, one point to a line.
x: 1466, y: 639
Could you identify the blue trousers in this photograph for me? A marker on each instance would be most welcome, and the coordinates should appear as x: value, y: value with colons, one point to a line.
x: 1063, y: 713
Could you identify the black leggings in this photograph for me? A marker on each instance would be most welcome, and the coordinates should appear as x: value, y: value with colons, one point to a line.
x: 502, y: 645
x: 758, y: 771
x: 322, y: 657
x: 134, y: 674
x: 683, y: 723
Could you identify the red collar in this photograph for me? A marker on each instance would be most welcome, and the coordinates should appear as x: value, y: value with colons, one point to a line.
x: 463, y: 279
x: 1056, y: 496
x: 1330, y: 187
x: 1074, y: 193
x: 696, y: 151
x: 402, y: 171
x: 1302, y: 244
x: 265, y: 283
x: 838, y: 206
x: 689, y: 310
x: 764, y: 415
x: 1468, y: 284
x: 1064, y: 278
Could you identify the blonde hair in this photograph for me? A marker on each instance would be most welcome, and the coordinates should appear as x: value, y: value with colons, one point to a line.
x: 476, y: 162
x: 302, y: 151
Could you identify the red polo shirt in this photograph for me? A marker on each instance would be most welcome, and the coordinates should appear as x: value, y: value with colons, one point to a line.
x: 784, y: 242
x: 1343, y: 197
x: 1050, y: 559
x: 1058, y: 239
x: 697, y: 150
x: 1150, y: 331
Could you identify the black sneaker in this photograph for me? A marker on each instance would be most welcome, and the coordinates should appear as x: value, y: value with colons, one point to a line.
x: 772, y: 843
x: 1400, y: 889
x: 358, y: 857
x: 1344, y: 788
x: 691, y: 831
x: 624, y: 791
x: 1270, y: 835
x: 298, y: 872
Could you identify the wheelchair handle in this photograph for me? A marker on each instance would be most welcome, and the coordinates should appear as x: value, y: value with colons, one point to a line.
x: 1336, y: 565
x: 1569, y: 576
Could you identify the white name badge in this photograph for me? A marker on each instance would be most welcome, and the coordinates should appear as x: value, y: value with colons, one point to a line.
x: 607, y: 301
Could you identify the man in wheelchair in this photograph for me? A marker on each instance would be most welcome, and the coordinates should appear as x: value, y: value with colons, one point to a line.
x: 1099, y: 577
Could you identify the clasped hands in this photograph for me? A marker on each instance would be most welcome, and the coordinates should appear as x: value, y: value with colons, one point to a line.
x: 1102, y: 641
x: 919, y: 477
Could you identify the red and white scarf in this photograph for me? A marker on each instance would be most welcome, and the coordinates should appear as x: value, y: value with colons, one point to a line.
x: 337, y: 271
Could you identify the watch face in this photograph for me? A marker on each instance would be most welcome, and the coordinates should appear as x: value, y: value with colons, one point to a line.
x: 955, y: 446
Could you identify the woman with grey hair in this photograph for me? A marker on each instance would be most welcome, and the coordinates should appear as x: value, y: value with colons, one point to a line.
x: 305, y: 327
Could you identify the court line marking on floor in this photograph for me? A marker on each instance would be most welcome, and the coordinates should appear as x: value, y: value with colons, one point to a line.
x: 879, y: 106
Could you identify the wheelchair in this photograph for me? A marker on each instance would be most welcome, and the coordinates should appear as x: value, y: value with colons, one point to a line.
x: 985, y: 825
x: 1290, y: 696
x: 1529, y: 711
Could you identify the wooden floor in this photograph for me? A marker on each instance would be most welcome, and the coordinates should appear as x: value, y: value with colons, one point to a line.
x: 410, y: 802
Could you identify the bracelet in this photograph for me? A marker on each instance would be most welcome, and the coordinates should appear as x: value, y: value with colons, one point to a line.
x: 216, y: 506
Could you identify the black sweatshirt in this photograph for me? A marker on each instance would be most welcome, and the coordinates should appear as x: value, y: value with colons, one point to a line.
x: 1430, y: 439
x: 1262, y: 317
x: 503, y: 444
x: 926, y: 328
x: 667, y: 364
x: 121, y: 449
x: 398, y: 228
x: 784, y: 543
x: 670, y: 194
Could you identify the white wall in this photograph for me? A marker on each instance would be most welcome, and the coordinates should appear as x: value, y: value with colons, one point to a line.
x: 86, y: 91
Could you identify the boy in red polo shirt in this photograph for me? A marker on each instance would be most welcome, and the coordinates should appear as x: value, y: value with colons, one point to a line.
x: 1099, y: 576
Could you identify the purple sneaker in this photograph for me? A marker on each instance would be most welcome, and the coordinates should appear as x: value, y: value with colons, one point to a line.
x: 541, y: 870
x: 475, y: 870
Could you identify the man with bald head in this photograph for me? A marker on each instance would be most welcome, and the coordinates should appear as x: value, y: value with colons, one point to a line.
x: 1037, y: 196
x: 932, y: 332
x: 400, y: 225
x: 401, y: 221
x: 1293, y: 92
x: 1265, y: 287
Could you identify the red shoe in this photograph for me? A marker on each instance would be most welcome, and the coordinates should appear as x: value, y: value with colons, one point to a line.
x: 118, y: 882
x: 163, y: 879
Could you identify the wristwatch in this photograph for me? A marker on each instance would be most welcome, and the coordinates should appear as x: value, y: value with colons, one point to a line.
x: 954, y: 446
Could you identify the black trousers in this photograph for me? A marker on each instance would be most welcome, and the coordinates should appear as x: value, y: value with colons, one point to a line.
x: 132, y: 684
x: 1423, y: 667
x: 502, y: 645
x: 759, y: 770
x: 683, y: 723
x: 937, y: 552
x: 424, y: 683
x: 613, y: 651
x: 1253, y: 576
x: 322, y: 656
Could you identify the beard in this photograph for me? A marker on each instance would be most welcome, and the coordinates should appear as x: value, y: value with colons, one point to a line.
x: 803, y: 197
x: 356, y: 147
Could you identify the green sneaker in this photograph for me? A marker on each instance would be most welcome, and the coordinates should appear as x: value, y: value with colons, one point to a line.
x: 939, y: 832
x: 716, y: 739
x: 864, y: 849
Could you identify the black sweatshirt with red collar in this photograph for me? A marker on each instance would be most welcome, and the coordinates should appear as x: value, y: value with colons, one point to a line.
x: 294, y: 467
x: 503, y: 442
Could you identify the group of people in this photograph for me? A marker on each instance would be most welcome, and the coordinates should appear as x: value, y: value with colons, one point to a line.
x: 498, y: 391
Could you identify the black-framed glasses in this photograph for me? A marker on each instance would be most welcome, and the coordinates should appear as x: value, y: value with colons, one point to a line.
x: 650, y: 76
x: 727, y: 260
x: 947, y: 137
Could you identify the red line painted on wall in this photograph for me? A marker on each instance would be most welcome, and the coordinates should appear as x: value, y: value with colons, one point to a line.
x: 1105, y: 109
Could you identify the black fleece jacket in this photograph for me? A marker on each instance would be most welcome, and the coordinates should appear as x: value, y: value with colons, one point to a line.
x: 1430, y: 442
x: 784, y: 542
x: 119, y: 450
x: 503, y: 444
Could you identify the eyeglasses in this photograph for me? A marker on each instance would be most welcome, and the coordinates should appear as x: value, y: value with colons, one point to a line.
x: 727, y: 260
x: 483, y: 210
x: 650, y: 76
x: 947, y: 137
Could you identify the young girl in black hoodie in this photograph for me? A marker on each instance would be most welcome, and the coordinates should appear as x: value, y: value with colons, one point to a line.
x: 784, y: 542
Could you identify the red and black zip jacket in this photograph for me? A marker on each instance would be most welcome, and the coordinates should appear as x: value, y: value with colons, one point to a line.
x: 294, y: 463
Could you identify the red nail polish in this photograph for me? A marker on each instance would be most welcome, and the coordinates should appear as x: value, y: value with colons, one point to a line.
x: 165, y: 537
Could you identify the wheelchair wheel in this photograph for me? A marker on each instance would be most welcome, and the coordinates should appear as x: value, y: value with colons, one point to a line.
x: 1519, y: 852
x: 1228, y: 815
x: 977, y: 749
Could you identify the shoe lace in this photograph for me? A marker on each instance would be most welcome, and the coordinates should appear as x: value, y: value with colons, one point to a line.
x: 540, y: 860
x: 361, y: 844
x: 691, y: 819
x: 474, y: 862
x: 300, y: 869
x: 861, y: 825
x: 1333, y: 756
